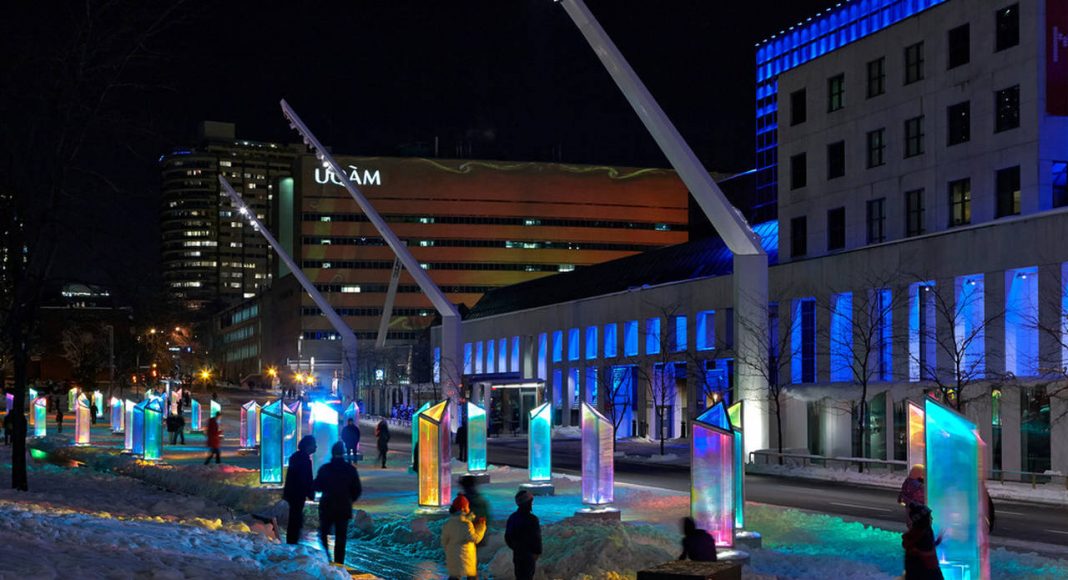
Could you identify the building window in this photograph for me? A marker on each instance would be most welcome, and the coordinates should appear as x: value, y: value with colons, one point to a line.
x: 959, y: 46
x: 1059, y: 183
x: 706, y: 330
x: 652, y: 336
x: 1007, y: 27
x: 679, y: 343
x: 913, y: 63
x: 630, y: 338
x: 1007, y: 109
x: 960, y: 202
x: 573, y: 346
x: 798, y: 107
x: 591, y: 342
x: 798, y: 236
x: 1008, y: 191
x: 836, y: 160
x: 914, y: 136
x: 610, y: 340
x: 835, y: 93
x: 558, y: 346
x: 958, y: 123
x: 798, y: 171
x: 803, y: 342
x: 877, y: 220
x: 914, y: 218
x: 876, y: 77
x: 836, y: 228
x: 876, y: 148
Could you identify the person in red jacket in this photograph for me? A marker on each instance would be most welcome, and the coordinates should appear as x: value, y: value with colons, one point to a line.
x: 214, y: 439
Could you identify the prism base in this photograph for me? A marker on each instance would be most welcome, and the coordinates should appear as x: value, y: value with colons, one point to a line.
x: 271, y: 486
x: 432, y: 512
x: 539, y: 488
x: 602, y: 513
x: 748, y: 539
x: 248, y: 451
x: 732, y: 555
x: 480, y: 477
x: 691, y: 570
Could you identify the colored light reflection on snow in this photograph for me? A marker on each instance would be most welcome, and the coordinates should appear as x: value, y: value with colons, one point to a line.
x: 476, y: 438
x: 954, y: 494
x: 415, y: 424
x: 539, y: 447
x: 917, y: 443
x: 82, y: 420
x: 598, y: 468
x: 40, y: 416
x: 735, y: 414
x: 323, y: 419
x: 152, y: 448
x: 272, y: 444
x: 712, y: 474
x: 435, y: 455
x: 196, y: 418
x: 250, y: 424
x: 118, y: 415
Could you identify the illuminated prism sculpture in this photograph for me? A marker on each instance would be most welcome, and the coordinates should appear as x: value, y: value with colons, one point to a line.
x: 152, y: 430
x: 351, y: 412
x: 435, y: 456
x: 82, y: 419
x: 917, y: 440
x: 196, y: 419
x: 955, y: 479
x: 128, y: 435
x: 712, y: 474
x: 272, y: 444
x: 415, y: 425
x: 118, y: 415
x: 72, y: 399
x: 476, y: 439
x: 149, y: 394
x: 539, y: 451
x: 598, y: 467
x: 137, y: 430
x: 735, y: 413
x: 216, y: 409
x: 290, y: 432
x: 39, y: 416
x: 250, y: 425
x: 33, y: 397
x: 98, y: 404
x: 297, y: 409
x: 324, y: 419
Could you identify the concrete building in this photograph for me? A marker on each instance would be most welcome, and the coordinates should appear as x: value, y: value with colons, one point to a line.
x: 958, y: 291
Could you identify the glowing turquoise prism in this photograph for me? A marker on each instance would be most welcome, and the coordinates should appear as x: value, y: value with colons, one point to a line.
x: 351, y: 412
x: 712, y: 474
x: 290, y: 433
x: 415, y: 425
x: 72, y: 399
x: 954, y: 492
x: 82, y: 419
x: 324, y: 428
x: 250, y: 424
x: 297, y: 409
x: 98, y: 404
x: 435, y: 456
x: 196, y: 418
x: 216, y: 408
x: 540, y: 444
x: 128, y: 435
x: 138, y: 430
x: 476, y: 438
x: 40, y: 416
x: 272, y: 444
x: 735, y: 413
x: 152, y: 446
x: 118, y: 415
x: 598, y: 467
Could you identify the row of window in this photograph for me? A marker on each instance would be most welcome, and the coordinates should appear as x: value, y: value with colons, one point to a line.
x: 1007, y: 197
x: 365, y: 335
x: 958, y: 53
x: 464, y: 243
x: 401, y: 288
x: 958, y: 130
x: 495, y: 221
x: 313, y: 311
x: 386, y: 265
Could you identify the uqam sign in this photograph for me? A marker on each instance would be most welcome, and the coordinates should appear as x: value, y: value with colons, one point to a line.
x: 355, y: 175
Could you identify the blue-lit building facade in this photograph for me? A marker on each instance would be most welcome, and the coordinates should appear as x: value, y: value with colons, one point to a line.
x: 919, y: 184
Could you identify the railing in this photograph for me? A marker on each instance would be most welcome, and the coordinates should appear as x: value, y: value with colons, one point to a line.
x: 768, y: 457
x: 1034, y: 478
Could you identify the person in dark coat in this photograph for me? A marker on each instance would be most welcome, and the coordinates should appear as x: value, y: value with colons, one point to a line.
x: 919, y: 542
x: 382, y: 434
x: 59, y: 418
x: 340, y: 484
x: 214, y: 440
x: 697, y: 544
x: 9, y: 427
x: 523, y: 536
x: 461, y: 442
x: 350, y: 435
x: 300, y: 486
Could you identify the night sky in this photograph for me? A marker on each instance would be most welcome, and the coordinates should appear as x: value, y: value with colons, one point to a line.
x: 511, y: 79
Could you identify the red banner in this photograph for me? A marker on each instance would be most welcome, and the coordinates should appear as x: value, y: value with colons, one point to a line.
x: 1057, y: 57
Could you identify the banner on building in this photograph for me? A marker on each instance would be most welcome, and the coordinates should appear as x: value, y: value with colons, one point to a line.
x: 1057, y: 57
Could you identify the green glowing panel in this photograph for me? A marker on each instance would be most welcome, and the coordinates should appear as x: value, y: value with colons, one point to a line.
x: 137, y: 429
x: 153, y: 430
x: 539, y: 447
x: 290, y: 433
x: 734, y: 412
x: 476, y: 438
x: 40, y: 416
x: 325, y: 430
x: 271, y: 443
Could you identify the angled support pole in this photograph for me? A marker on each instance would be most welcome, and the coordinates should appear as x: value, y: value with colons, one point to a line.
x: 750, y: 261
x: 451, y: 364
x: 348, y: 338
x: 387, y: 308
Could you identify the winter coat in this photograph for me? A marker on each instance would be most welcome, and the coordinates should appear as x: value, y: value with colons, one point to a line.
x: 340, y: 483
x: 299, y: 481
x: 523, y: 534
x: 350, y: 434
x: 699, y: 547
x: 921, y: 560
x: 458, y: 537
x: 912, y: 491
x: 479, y: 505
x: 214, y: 433
x: 382, y: 432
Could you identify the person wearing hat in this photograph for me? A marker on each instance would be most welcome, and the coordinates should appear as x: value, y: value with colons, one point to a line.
x: 919, y: 542
x: 339, y: 482
x: 523, y: 536
x: 459, y: 536
x: 299, y: 487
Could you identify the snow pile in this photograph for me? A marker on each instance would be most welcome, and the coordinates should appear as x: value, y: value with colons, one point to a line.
x: 665, y: 458
x: 571, y: 432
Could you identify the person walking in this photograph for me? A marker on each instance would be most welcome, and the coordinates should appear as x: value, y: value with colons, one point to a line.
x: 461, y: 442
x: 478, y: 502
x: 59, y: 418
x: 339, y: 482
x: 350, y: 435
x: 919, y: 542
x: 300, y: 486
x: 9, y: 426
x: 697, y: 544
x: 179, y: 427
x: 912, y: 491
x: 169, y: 422
x: 523, y: 535
x: 461, y: 532
x: 214, y: 439
x: 382, y: 434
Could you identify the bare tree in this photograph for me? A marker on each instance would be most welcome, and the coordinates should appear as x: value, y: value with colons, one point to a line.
x: 1051, y: 363
x: 615, y: 395
x: 85, y: 349
x: 774, y: 369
